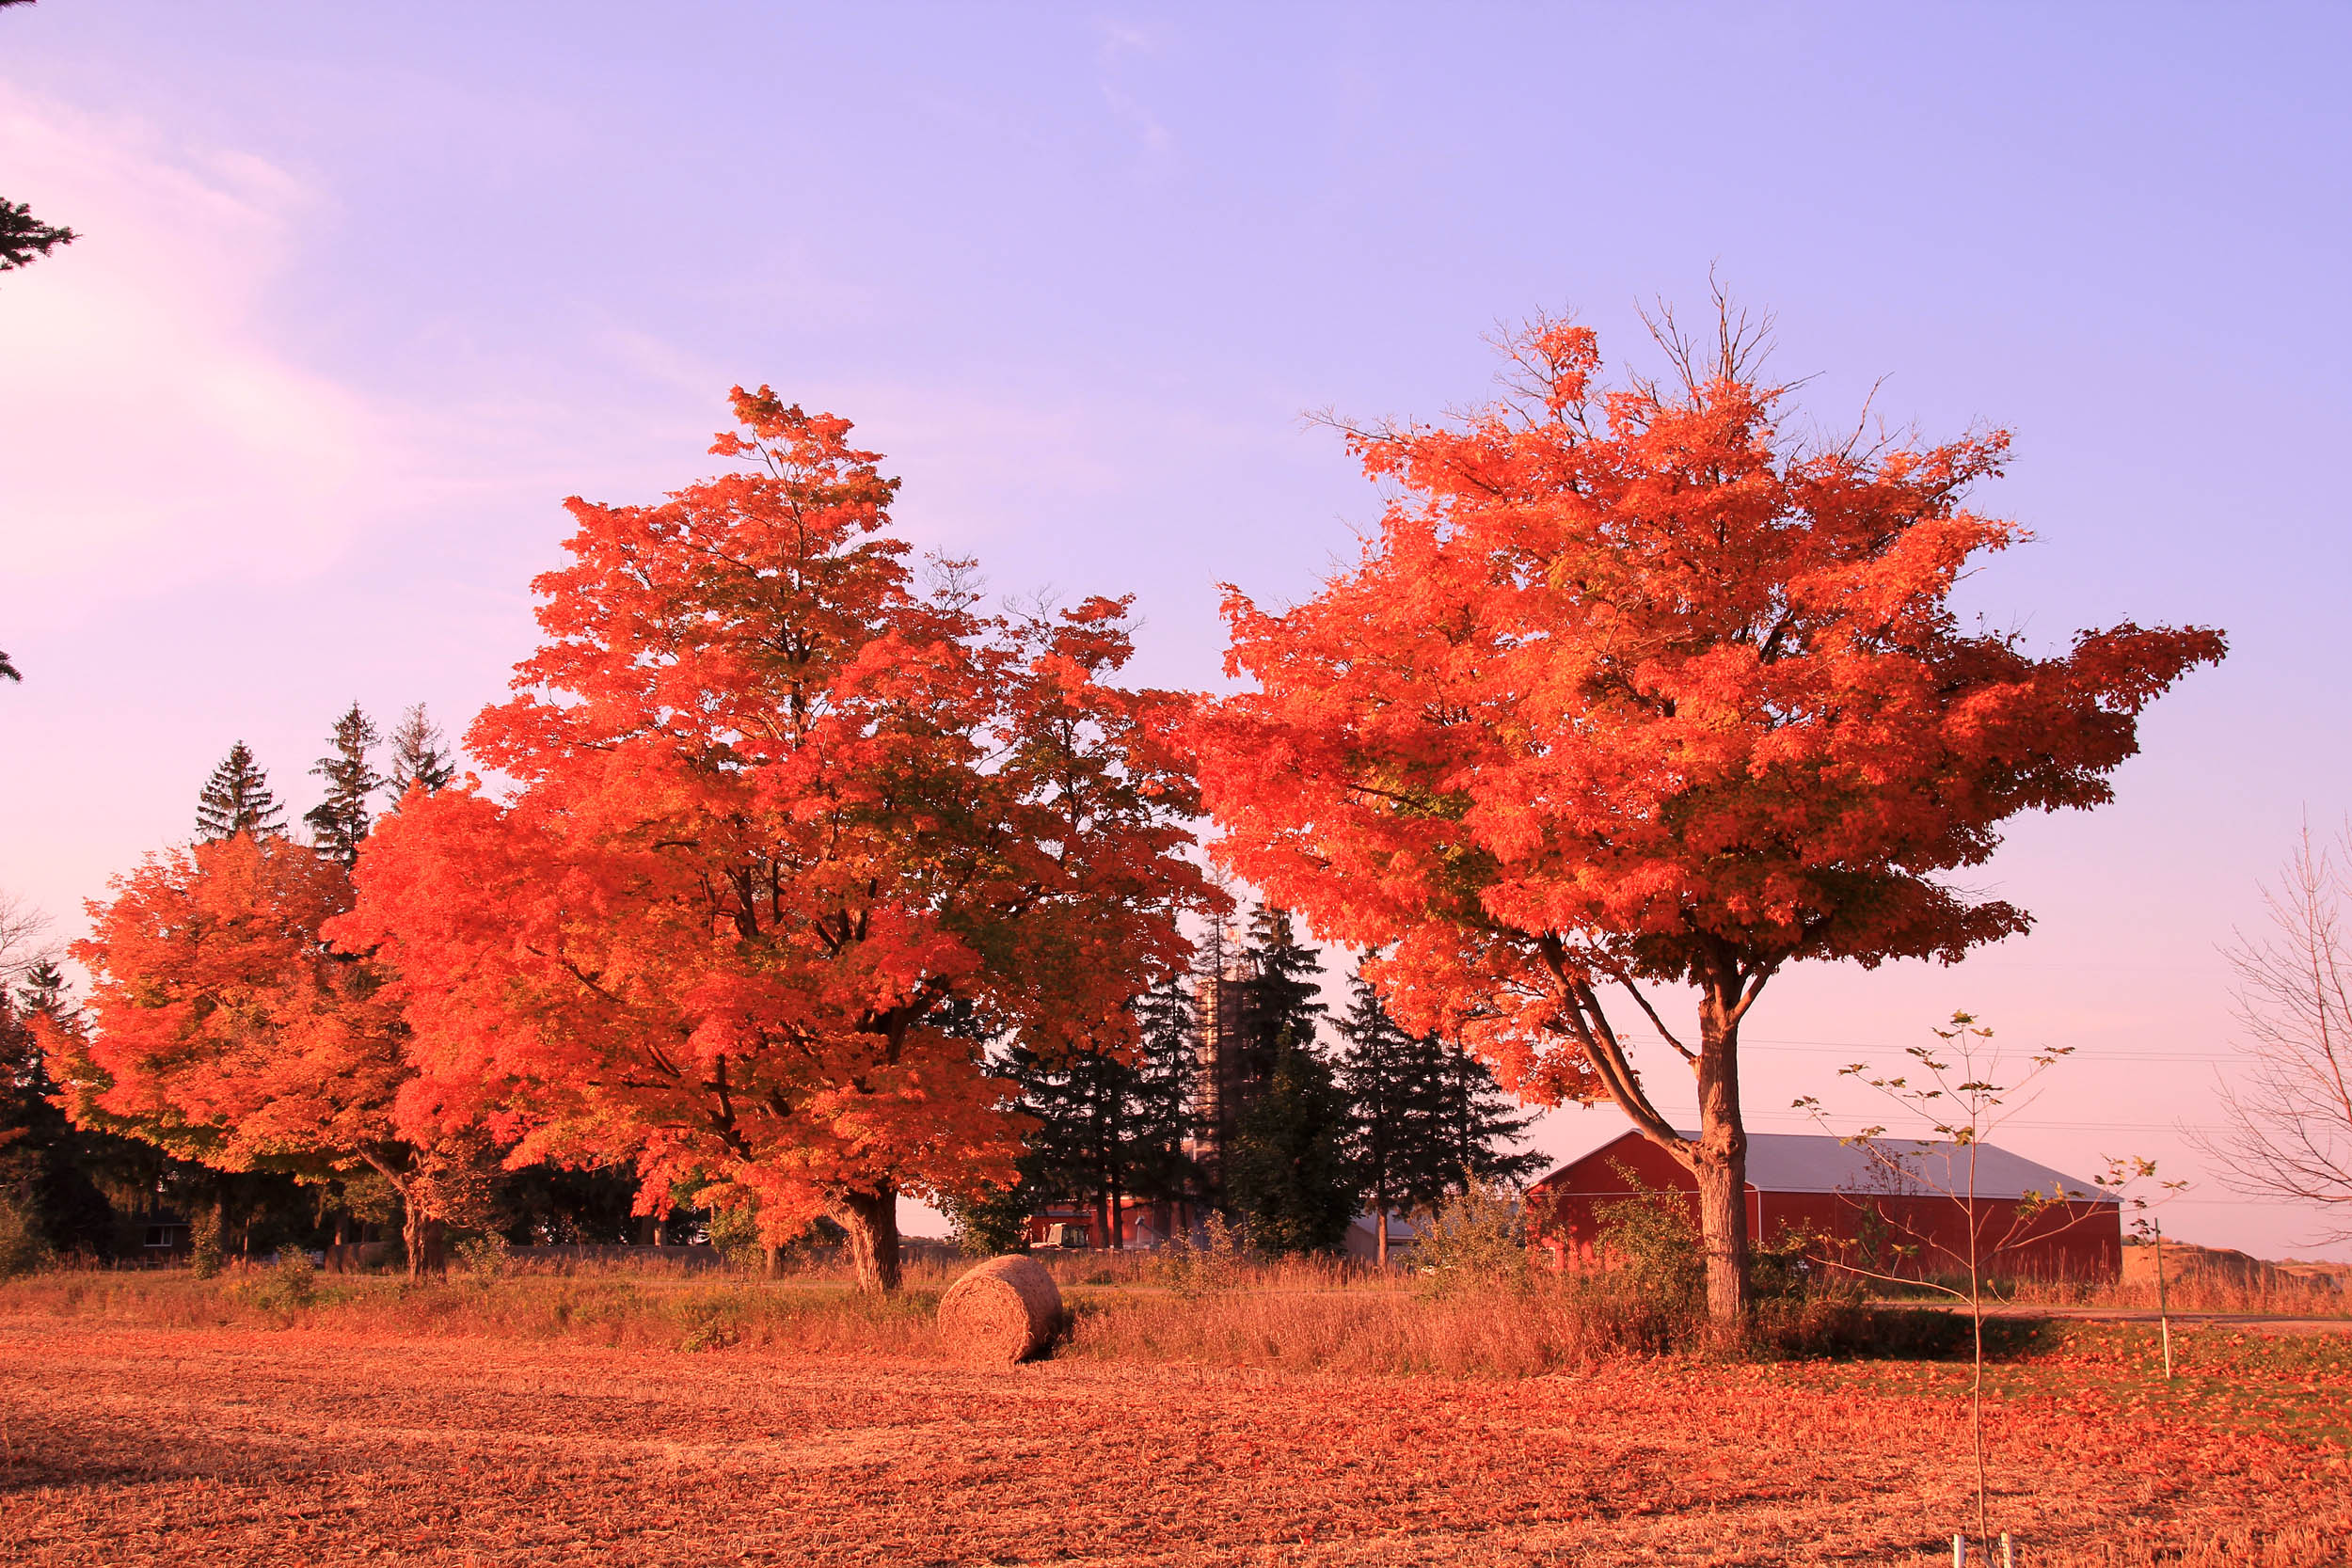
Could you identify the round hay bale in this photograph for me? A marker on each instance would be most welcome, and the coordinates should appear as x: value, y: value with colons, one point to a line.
x: 1004, y: 1311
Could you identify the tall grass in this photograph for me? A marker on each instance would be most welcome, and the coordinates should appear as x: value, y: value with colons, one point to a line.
x: 1301, y: 1315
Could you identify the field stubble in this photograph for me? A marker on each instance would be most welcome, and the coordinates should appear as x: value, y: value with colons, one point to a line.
x: 525, y: 1419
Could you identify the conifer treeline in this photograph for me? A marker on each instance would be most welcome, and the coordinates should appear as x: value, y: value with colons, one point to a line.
x: 1292, y: 1138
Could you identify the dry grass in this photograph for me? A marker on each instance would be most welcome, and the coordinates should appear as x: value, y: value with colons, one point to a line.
x: 692, y: 1312
x: 2278, y: 1297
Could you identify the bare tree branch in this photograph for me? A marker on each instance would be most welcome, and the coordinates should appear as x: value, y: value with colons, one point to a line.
x: 2286, y: 1131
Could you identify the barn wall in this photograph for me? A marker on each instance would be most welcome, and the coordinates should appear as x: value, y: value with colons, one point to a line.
x: 1898, y: 1235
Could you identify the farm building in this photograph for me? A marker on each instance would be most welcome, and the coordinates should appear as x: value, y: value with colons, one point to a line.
x: 1144, y: 1223
x: 1888, y: 1210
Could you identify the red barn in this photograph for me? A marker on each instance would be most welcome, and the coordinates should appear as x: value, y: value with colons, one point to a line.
x: 1889, y: 1207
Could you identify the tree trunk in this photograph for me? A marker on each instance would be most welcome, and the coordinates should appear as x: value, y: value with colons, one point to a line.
x: 872, y: 1220
x: 1720, y: 1163
x: 771, y: 1260
x: 427, y: 1239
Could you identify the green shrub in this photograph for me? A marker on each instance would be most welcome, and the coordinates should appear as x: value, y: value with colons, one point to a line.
x: 733, y: 1234
x: 1653, y: 1245
x: 1195, y: 1268
x: 291, y: 1284
x: 22, y: 1249
x: 1475, y: 1240
x: 483, y: 1258
x: 205, y: 1255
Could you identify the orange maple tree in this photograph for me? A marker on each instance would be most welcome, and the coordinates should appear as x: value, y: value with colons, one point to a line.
x: 1631, y: 689
x: 780, y: 818
x: 223, y: 1028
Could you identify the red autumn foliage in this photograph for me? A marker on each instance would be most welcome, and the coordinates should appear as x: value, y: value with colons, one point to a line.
x: 223, y: 1028
x: 1631, y: 689
x: 780, y: 820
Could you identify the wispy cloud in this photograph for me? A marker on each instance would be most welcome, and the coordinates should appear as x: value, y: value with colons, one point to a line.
x: 149, y: 427
x: 1120, y: 43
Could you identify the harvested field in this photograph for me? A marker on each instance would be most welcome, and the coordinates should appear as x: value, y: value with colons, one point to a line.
x: 129, y: 1443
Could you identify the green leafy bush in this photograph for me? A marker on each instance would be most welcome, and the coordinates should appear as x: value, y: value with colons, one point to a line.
x: 205, y: 1255
x: 22, y: 1249
x: 1475, y: 1240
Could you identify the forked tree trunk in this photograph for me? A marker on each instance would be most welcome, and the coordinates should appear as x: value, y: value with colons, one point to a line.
x: 1720, y: 1165
x: 871, y: 1219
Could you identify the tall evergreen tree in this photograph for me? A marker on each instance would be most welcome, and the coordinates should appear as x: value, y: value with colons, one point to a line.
x: 1481, y: 1123
x: 1424, y: 1116
x: 1281, y: 1001
x: 1286, y: 1173
x: 1390, y: 1080
x: 419, y: 756
x: 48, y: 1167
x: 237, y: 799
x: 1111, y: 1127
x: 338, y: 824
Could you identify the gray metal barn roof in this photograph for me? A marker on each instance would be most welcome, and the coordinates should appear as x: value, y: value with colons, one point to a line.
x: 1816, y: 1163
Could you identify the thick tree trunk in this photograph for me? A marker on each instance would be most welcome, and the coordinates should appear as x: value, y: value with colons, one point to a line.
x: 872, y: 1221
x: 771, y: 1260
x: 1720, y: 1163
x: 427, y: 1239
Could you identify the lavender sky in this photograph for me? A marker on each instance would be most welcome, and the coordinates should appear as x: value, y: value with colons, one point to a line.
x: 364, y: 292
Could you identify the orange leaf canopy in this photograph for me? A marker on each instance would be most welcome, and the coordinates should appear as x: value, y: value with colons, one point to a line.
x: 778, y: 817
x: 222, y: 1028
x: 1629, y: 687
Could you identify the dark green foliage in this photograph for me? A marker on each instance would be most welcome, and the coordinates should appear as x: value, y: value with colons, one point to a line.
x: 1477, y: 1122
x: 1286, y: 1174
x: 1110, y: 1127
x: 44, y: 1163
x: 545, y: 1205
x: 419, y: 758
x: 338, y: 824
x: 995, y: 1220
x: 1285, y: 1171
x: 24, y: 237
x: 237, y: 799
x: 1424, y: 1116
x: 1281, y: 1004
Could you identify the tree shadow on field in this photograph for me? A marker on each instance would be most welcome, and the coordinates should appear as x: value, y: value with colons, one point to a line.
x: 1934, y: 1334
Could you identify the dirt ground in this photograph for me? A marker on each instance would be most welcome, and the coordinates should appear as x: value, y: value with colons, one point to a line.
x: 129, y: 1445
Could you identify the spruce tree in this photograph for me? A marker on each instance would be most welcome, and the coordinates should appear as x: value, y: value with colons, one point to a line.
x: 338, y: 824
x: 1281, y: 1001
x: 1481, y: 1122
x: 1112, y: 1127
x: 1395, y: 1126
x: 1425, y: 1116
x: 420, y: 757
x: 1286, y: 1173
x: 237, y: 799
x: 46, y: 1164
